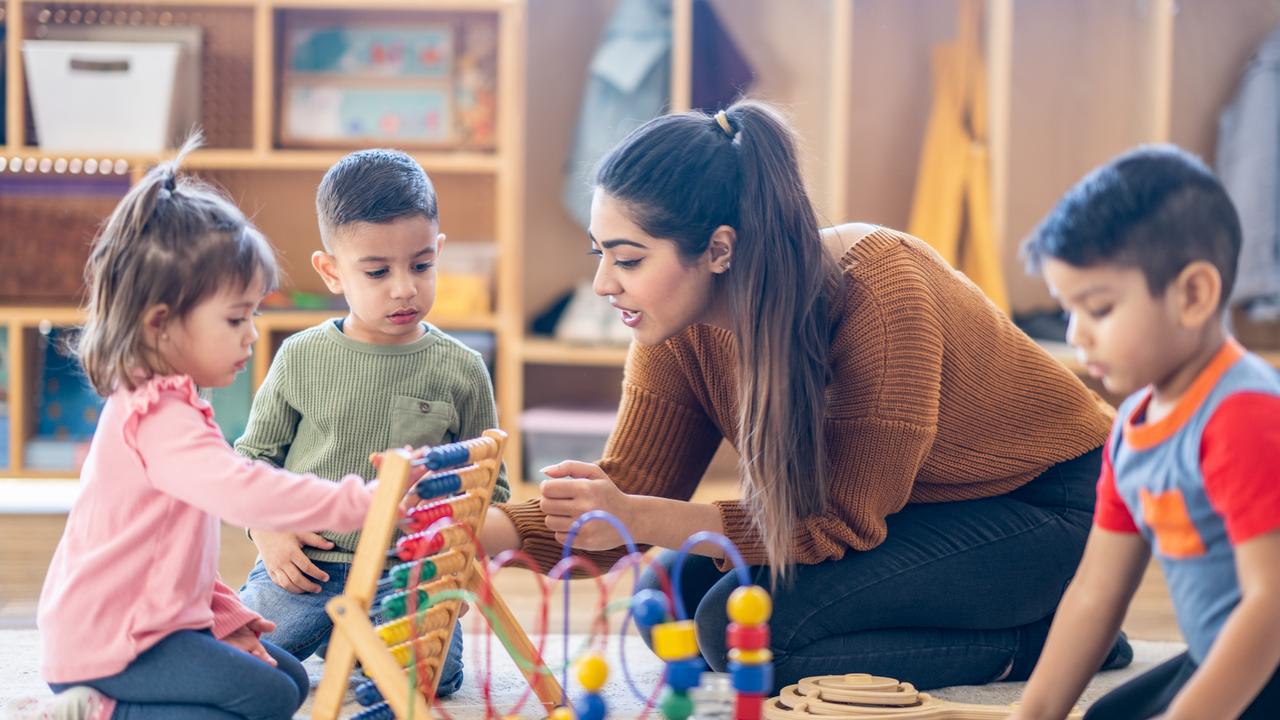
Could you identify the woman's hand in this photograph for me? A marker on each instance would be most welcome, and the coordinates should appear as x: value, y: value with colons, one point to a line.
x: 246, y: 638
x: 576, y: 488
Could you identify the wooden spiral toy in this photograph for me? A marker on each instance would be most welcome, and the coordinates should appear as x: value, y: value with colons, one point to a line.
x: 867, y: 697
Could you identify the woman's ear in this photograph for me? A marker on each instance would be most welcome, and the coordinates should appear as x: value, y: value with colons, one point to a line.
x: 720, y: 248
x: 1199, y: 293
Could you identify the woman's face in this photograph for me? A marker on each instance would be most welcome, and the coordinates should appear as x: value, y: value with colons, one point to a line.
x: 657, y: 291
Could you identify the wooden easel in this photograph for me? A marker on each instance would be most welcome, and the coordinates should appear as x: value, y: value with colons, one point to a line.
x: 354, y: 635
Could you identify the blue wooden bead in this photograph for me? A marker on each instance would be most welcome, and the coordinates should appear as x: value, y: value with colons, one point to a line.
x: 590, y: 706
x: 367, y: 694
x: 377, y: 712
x: 447, y: 456
x: 685, y: 674
x: 649, y: 607
x: 438, y: 486
x: 751, y: 679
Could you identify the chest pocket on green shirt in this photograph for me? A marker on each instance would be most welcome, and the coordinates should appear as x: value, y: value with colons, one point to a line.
x: 417, y: 422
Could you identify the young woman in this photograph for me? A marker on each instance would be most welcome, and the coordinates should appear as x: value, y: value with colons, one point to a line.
x: 917, y: 474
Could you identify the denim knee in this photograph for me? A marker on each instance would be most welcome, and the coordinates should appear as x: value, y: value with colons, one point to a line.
x: 451, y: 670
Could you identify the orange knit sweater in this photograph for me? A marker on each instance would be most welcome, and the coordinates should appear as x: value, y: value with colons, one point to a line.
x: 936, y: 396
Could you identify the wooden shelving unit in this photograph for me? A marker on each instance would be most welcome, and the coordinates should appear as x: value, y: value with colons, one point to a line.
x: 481, y: 192
x: 1069, y: 84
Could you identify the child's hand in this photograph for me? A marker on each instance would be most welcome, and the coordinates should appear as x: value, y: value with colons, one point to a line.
x: 246, y: 638
x: 416, y: 472
x: 285, y: 562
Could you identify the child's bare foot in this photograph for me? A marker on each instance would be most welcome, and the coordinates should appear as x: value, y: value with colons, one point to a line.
x: 78, y: 703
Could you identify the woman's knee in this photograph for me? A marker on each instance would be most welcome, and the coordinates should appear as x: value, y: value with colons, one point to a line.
x: 712, y: 621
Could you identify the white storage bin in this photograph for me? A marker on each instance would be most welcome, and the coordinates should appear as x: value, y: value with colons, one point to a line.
x: 102, y: 97
x: 555, y: 434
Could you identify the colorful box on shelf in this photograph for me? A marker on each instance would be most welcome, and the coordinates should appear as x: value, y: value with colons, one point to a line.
x: 426, y: 84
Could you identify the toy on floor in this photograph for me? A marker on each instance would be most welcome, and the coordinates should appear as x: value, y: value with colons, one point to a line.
x: 403, y: 656
x: 443, y: 566
x: 866, y: 697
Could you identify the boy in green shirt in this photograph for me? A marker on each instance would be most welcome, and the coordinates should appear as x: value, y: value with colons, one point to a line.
x: 378, y: 378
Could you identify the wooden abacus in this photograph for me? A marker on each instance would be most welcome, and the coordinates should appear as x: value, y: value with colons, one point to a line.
x: 866, y: 697
x: 459, y: 484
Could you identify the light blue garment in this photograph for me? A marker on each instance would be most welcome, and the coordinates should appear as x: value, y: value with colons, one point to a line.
x: 628, y: 84
x: 1249, y: 165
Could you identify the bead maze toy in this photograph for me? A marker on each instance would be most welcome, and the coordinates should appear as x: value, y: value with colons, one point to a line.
x: 443, y: 566
x: 403, y: 657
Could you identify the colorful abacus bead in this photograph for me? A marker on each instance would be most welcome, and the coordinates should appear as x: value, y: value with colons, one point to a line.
x: 447, y: 456
x: 562, y: 713
x: 420, y: 518
x: 438, y: 486
x: 367, y: 694
x: 377, y: 712
x: 401, y: 573
x: 396, y: 605
x: 419, y: 545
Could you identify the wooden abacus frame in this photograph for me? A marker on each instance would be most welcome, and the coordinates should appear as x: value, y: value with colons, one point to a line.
x: 354, y: 635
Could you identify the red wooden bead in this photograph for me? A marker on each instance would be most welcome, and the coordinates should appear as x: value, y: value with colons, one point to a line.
x: 748, y: 637
x: 748, y: 707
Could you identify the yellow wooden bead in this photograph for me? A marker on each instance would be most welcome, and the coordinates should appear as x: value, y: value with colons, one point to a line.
x: 675, y: 640
x: 750, y: 605
x: 563, y: 713
x: 750, y: 657
x: 592, y: 672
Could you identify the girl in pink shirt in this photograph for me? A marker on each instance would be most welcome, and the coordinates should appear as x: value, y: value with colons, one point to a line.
x: 134, y: 621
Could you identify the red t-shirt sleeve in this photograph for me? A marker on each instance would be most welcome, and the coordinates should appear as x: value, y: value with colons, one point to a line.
x: 1239, y: 459
x: 1111, y: 513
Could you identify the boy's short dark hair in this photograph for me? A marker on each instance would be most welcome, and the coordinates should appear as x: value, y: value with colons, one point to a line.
x: 1157, y: 208
x: 374, y: 186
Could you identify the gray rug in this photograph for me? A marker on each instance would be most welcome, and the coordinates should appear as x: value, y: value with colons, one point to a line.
x: 19, y: 677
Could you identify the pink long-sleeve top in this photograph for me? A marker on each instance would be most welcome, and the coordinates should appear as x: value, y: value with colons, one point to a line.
x: 138, y: 559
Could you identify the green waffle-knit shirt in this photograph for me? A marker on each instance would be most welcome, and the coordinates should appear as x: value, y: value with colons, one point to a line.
x: 329, y: 401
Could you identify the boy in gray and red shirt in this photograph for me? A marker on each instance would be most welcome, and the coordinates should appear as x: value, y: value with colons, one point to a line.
x: 1142, y: 254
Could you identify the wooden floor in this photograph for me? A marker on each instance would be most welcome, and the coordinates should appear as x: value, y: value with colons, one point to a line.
x: 27, y: 543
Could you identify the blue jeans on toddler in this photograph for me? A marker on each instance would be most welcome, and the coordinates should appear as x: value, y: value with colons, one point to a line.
x: 303, y: 627
x: 190, y: 675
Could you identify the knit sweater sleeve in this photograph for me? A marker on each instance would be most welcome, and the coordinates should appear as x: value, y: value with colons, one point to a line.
x: 882, y: 418
x: 477, y: 412
x: 273, y: 422
x: 661, y: 446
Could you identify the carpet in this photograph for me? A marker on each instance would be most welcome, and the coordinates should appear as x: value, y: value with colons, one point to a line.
x: 19, y: 676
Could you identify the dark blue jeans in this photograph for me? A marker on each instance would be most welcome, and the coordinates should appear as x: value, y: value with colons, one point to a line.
x: 1152, y: 692
x: 958, y: 593
x: 190, y: 675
